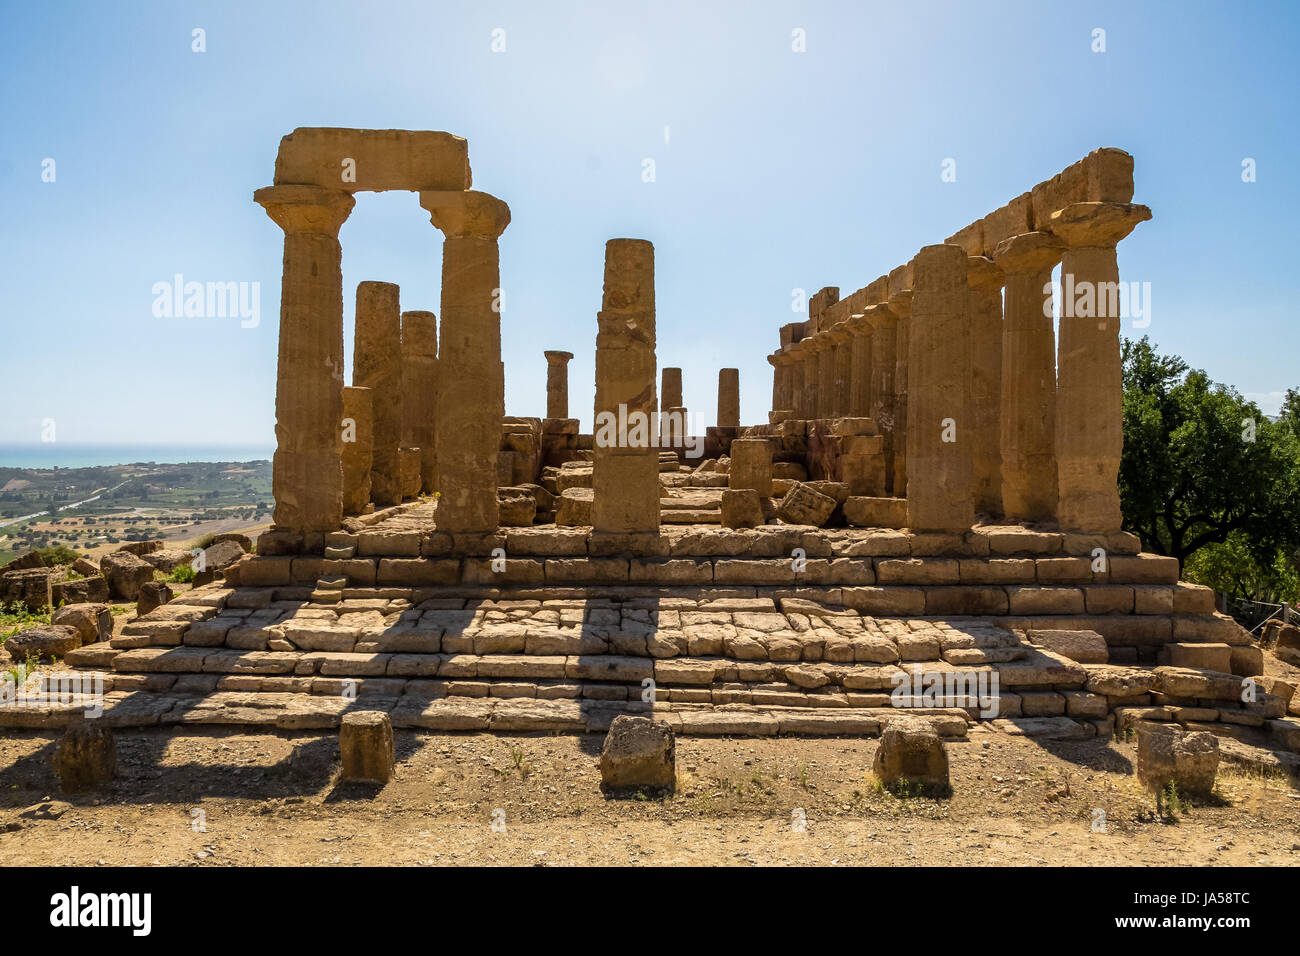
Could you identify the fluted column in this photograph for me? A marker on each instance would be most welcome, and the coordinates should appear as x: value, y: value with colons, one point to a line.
x: 984, y: 312
x: 940, y: 496
x: 900, y: 304
x: 358, y: 447
x: 842, y: 358
x: 860, y: 367
x: 823, y: 343
x: 811, y: 377
x: 377, y: 365
x: 557, y: 384
x: 307, y: 471
x: 1089, y: 386
x: 1028, y: 425
x: 471, y: 382
x: 798, y: 396
x: 884, y: 342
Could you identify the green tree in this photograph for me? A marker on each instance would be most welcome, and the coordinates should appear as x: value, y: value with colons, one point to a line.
x: 1201, y: 463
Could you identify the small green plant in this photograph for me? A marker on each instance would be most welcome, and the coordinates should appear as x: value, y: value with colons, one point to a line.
x: 182, y: 573
x: 803, y: 775
x: 1173, y: 803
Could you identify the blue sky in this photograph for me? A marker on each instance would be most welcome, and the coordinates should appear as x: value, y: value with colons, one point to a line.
x: 779, y: 170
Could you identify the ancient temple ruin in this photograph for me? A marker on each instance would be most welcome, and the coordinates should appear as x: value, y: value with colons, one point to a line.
x: 933, y: 492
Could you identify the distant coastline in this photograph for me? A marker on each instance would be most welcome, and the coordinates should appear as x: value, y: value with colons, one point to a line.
x: 67, y: 455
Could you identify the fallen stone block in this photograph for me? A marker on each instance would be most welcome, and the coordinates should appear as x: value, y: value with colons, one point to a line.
x: 639, y: 753
x: 911, y: 750
x: 366, y: 747
x: 85, y: 758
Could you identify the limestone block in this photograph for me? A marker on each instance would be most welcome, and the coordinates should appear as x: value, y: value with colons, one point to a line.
x: 86, y: 757
x: 125, y: 573
x: 751, y: 466
x: 45, y: 642
x: 638, y: 753
x: 802, y: 505
x: 366, y: 747
x: 910, y: 750
x: 741, y: 508
x: 94, y: 622
x: 1168, y: 755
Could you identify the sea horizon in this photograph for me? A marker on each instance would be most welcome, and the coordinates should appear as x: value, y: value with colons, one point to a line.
x: 69, y: 455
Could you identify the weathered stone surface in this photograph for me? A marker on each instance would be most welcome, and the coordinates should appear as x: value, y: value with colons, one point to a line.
x: 86, y: 757
x: 125, y: 573
x: 728, y: 398
x: 1167, y: 755
x: 420, y: 393
x: 366, y: 747
x: 516, y: 506
x: 802, y: 505
x: 153, y: 594
x: 377, y: 365
x: 910, y: 750
x: 358, y: 447
x: 751, y: 466
x: 625, y: 474
x: 741, y: 508
x: 46, y: 642
x: 639, y: 752
x: 573, y: 507
x: 94, y: 622
x: 1086, y: 647
x: 557, y: 384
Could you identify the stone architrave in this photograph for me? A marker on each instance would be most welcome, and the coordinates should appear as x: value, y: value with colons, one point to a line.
x: 307, y: 471
x: 940, y: 494
x: 557, y: 384
x: 377, y: 365
x: 420, y: 392
x: 1028, y: 416
x: 625, y: 471
x: 358, y: 446
x: 984, y: 311
x: 728, y: 398
x: 1089, y: 385
x: 471, y: 386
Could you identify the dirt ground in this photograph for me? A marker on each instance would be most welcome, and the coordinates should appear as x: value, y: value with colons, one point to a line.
x: 221, y: 799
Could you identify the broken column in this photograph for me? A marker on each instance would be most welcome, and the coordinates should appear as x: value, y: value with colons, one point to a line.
x: 307, y: 473
x: 1028, y: 413
x: 377, y: 365
x: 358, y: 446
x: 625, y: 474
x: 728, y: 398
x: 984, y: 312
x: 939, y: 487
x: 557, y: 384
x: 470, y: 380
x: 420, y: 392
x: 670, y: 394
x: 1089, y: 389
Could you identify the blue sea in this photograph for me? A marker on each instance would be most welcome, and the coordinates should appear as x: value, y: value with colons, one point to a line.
x: 66, y: 455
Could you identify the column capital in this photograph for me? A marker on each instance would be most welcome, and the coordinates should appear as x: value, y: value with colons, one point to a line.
x: 881, y: 316
x: 983, y: 274
x: 1096, y: 224
x: 900, y: 304
x: 466, y: 214
x: 1028, y: 252
x: 839, y: 333
x: 558, y: 358
x: 306, y: 209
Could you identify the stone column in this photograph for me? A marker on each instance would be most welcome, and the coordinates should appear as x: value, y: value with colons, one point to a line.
x: 940, y: 493
x: 557, y: 384
x: 671, y: 394
x: 1089, y: 388
x: 811, y: 377
x: 842, y: 358
x: 470, y: 380
x: 824, y: 344
x: 358, y: 446
x: 625, y: 474
x: 884, y: 341
x: 901, y: 306
x: 307, y: 472
x: 1028, y: 419
x: 377, y: 365
x: 859, y: 367
x: 797, y: 395
x: 984, y: 311
x: 728, y: 398
x: 420, y: 392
